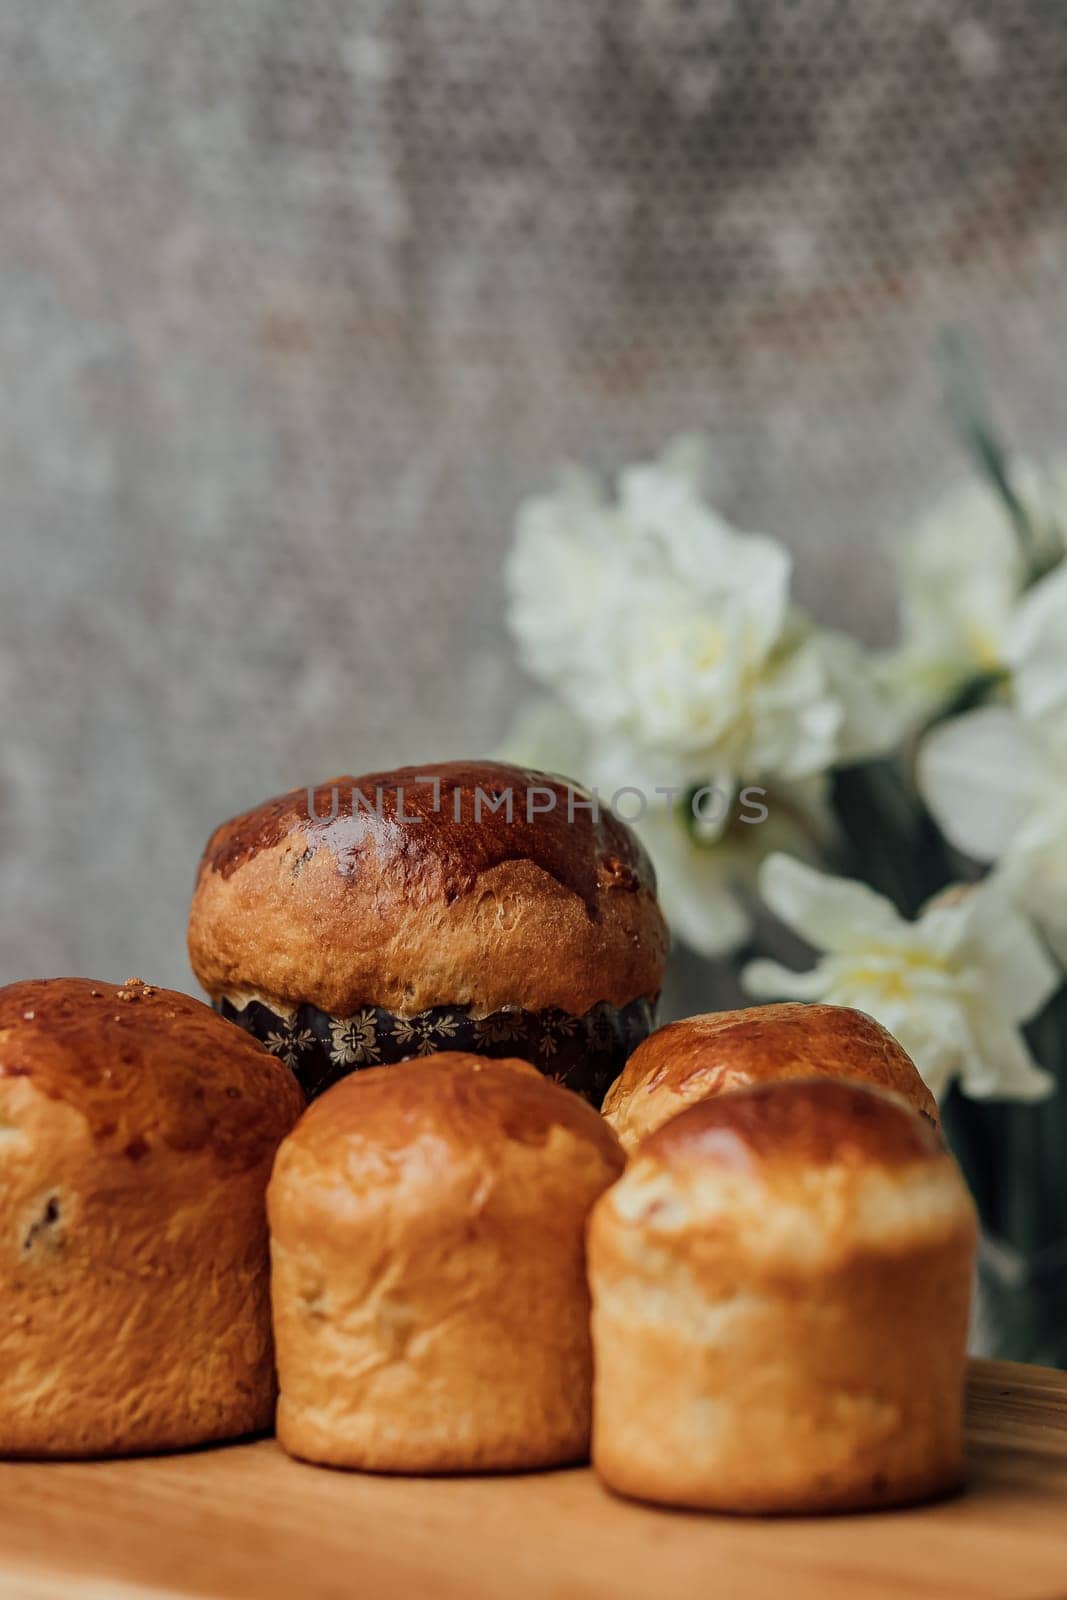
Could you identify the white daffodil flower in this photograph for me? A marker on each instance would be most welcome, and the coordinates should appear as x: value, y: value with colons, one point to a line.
x: 953, y: 986
x: 961, y: 572
x: 671, y: 636
x: 995, y: 779
x: 1036, y: 654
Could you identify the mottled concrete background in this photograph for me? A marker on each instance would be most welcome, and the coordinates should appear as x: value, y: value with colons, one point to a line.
x: 297, y: 300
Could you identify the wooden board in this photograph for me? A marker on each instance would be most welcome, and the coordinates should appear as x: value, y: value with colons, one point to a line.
x: 246, y: 1521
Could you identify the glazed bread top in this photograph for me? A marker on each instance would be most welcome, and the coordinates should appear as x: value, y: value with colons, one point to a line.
x: 794, y: 1127
x: 704, y: 1056
x: 795, y: 1175
x: 419, y: 1117
x: 397, y: 891
x: 148, y: 1070
x: 441, y: 1133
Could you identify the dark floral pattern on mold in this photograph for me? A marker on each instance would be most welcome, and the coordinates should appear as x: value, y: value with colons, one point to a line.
x: 584, y: 1053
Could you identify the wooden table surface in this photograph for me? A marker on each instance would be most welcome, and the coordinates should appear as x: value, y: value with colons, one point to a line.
x: 246, y: 1521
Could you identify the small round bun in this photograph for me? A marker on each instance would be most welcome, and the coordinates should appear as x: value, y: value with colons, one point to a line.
x: 137, y: 1132
x: 430, y: 1305
x: 781, y: 1283
x: 459, y: 905
x: 703, y: 1056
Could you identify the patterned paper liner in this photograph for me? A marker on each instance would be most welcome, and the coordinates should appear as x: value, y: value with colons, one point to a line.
x: 585, y: 1053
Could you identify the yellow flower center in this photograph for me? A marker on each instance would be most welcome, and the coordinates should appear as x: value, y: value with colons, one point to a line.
x: 983, y: 646
x: 901, y: 972
x: 890, y: 985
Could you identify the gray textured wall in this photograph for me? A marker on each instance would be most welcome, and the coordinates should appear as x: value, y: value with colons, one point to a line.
x: 296, y: 301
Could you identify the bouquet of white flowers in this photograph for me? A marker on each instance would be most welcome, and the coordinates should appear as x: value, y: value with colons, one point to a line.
x: 782, y: 777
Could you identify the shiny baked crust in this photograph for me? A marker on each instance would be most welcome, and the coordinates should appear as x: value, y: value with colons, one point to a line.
x: 781, y: 1284
x: 368, y: 910
x: 428, y: 1269
x: 137, y: 1133
x: 699, y: 1057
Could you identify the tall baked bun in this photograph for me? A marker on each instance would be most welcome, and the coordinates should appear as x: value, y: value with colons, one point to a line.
x: 463, y: 905
x: 704, y: 1056
x: 781, y: 1282
x: 430, y: 1303
x: 137, y: 1133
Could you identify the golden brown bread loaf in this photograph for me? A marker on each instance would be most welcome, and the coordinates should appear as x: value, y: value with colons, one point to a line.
x: 699, y: 1057
x: 781, y: 1282
x: 377, y: 918
x: 137, y: 1132
x: 430, y: 1305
